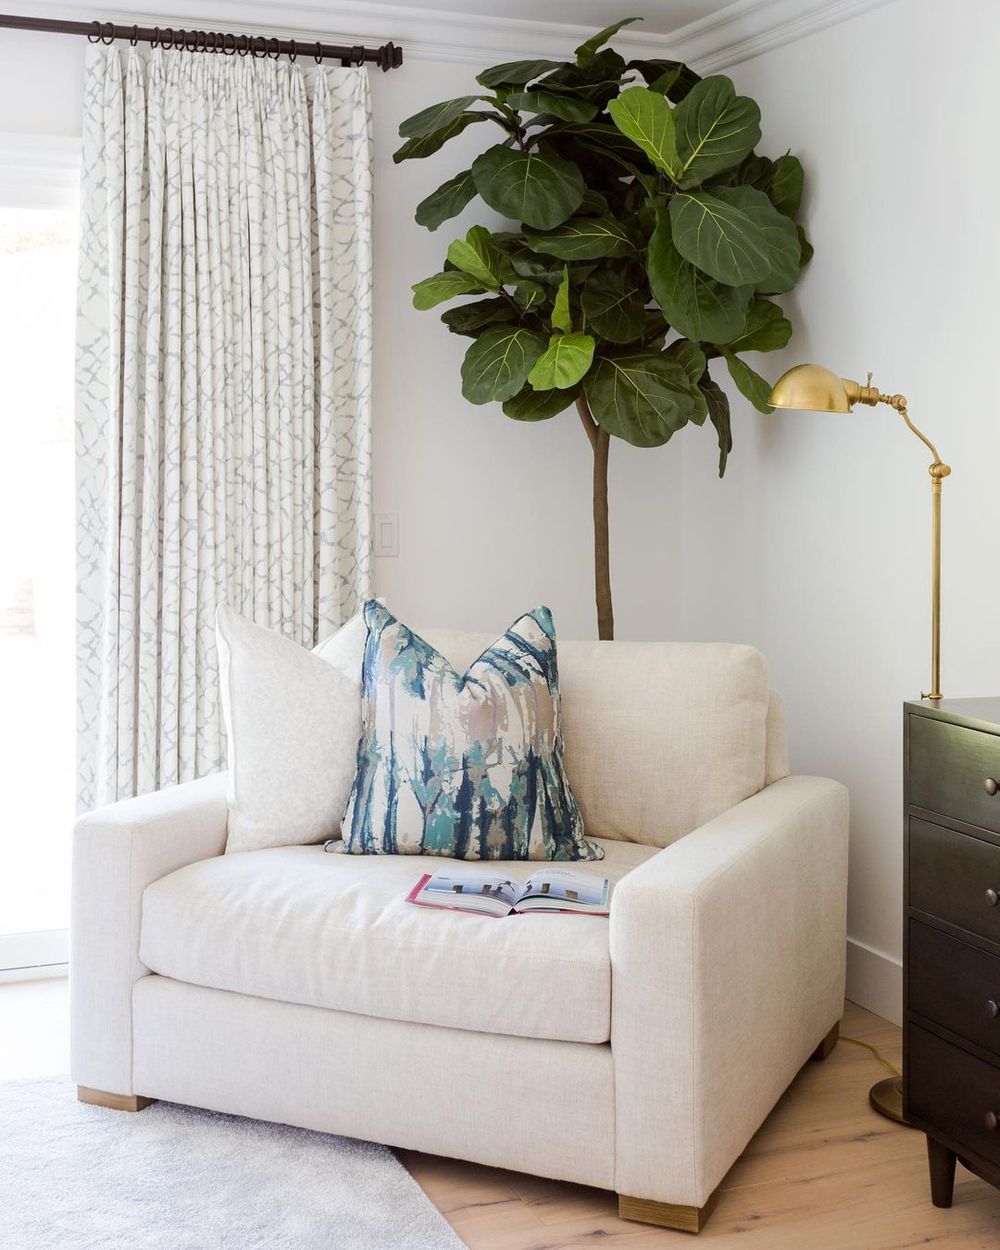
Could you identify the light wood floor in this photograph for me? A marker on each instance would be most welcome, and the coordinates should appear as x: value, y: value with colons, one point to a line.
x: 824, y: 1173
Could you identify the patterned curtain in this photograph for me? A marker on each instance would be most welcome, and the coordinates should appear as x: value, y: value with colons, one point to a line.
x: 223, y: 413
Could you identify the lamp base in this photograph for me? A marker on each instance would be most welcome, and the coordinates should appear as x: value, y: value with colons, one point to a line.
x: 887, y: 1099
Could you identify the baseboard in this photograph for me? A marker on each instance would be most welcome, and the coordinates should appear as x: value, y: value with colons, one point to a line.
x: 875, y: 980
x: 39, y: 972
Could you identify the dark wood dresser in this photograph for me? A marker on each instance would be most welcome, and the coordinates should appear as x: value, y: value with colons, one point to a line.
x: 951, y: 945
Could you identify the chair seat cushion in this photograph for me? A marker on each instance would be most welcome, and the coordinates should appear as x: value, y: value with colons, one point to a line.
x: 294, y: 924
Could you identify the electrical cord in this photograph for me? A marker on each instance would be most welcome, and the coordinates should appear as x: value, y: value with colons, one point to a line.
x: 856, y: 1041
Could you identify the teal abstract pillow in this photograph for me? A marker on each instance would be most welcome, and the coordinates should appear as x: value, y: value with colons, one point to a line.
x: 468, y: 766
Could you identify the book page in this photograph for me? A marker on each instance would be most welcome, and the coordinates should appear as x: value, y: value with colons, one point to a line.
x: 487, y: 892
x: 560, y: 888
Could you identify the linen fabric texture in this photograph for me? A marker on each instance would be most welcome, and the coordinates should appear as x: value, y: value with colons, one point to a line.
x: 468, y: 767
x: 223, y: 387
x: 293, y: 720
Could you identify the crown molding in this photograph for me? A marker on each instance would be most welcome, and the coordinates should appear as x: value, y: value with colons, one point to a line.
x: 735, y: 33
x: 748, y: 28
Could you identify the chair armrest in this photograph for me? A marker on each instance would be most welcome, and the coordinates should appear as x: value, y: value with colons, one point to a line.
x: 117, y: 851
x: 728, y: 960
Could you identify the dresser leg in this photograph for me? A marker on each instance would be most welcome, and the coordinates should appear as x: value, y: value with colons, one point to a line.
x: 942, y: 1167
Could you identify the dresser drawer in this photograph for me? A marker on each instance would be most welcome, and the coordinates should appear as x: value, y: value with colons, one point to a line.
x: 955, y: 985
x: 955, y: 877
x: 953, y: 1091
x: 949, y: 769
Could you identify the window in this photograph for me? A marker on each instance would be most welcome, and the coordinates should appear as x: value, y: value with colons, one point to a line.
x: 38, y: 231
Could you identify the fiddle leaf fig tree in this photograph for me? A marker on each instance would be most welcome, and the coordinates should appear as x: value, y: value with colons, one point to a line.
x: 650, y: 239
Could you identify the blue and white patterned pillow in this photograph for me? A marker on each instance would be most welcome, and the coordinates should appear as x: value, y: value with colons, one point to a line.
x: 470, y: 767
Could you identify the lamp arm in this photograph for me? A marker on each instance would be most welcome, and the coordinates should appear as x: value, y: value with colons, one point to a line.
x: 938, y: 471
x: 899, y: 403
x: 868, y: 394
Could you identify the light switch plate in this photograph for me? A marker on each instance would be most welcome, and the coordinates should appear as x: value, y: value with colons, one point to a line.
x: 386, y: 534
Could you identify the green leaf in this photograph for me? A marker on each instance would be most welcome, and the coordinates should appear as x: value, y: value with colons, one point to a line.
x: 643, y: 398
x: 614, y: 306
x: 690, y: 357
x: 471, y: 318
x: 566, y: 107
x: 805, y: 247
x: 734, y: 234
x: 529, y: 294
x: 673, y: 79
x: 478, y: 256
x: 538, y: 188
x: 497, y: 365
x: 781, y: 239
x: 539, y: 268
x: 531, y: 405
x: 442, y: 286
x: 515, y: 73
x: 594, y: 204
x: 785, y: 191
x: 583, y: 238
x: 436, y: 117
x: 585, y: 52
x: 424, y: 145
x: 447, y: 201
x: 563, y: 363
x: 716, y: 128
x: 694, y: 304
x: 751, y: 384
x: 561, y: 318
x: 718, y: 411
x: 647, y: 119
x: 767, y: 329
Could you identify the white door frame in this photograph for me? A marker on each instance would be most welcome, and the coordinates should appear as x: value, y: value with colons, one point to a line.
x: 37, y: 171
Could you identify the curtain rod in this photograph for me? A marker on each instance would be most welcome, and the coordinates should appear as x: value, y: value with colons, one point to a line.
x: 388, y: 56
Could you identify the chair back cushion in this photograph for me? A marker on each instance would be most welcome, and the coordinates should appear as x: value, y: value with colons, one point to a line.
x: 660, y: 737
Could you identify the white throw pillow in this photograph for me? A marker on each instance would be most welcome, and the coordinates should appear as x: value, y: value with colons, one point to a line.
x: 293, y: 720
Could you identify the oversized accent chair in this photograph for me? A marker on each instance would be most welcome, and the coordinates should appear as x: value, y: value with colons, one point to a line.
x: 638, y: 1054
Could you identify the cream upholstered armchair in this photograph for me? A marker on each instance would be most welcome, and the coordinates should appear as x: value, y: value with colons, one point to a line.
x: 638, y: 1054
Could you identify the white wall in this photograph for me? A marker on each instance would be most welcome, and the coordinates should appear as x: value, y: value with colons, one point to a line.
x: 903, y: 186
x: 815, y: 547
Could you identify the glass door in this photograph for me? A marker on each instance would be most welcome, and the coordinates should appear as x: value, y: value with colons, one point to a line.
x: 38, y: 233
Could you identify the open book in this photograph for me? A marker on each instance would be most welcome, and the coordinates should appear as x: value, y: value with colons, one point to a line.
x: 495, y: 894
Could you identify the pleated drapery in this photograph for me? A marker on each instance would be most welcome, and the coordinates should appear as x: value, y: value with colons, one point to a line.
x: 223, y: 413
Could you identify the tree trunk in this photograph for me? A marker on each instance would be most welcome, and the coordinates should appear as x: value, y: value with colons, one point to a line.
x: 600, y: 443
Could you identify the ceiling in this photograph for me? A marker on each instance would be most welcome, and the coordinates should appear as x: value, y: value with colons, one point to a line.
x: 661, y: 17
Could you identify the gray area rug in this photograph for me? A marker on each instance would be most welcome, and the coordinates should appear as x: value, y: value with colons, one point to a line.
x: 74, y: 1177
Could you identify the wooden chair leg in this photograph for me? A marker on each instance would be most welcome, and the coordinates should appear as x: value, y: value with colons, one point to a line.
x: 825, y: 1048
x: 667, y: 1214
x: 117, y: 1102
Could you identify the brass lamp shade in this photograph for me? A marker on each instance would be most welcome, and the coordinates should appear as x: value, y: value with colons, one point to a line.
x: 810, y: 388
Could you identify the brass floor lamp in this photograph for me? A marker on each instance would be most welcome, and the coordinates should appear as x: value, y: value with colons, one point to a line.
x: 811, y: 388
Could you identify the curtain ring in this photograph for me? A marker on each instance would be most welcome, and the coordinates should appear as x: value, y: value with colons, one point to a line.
x: 359, y: 54
x: 318, y: 54
x: 155, y: 41
x: 292, y: 51
x: 107, y: 33
x: 191, y: 41
x: 277, y: 49
x: 243, y: 45
x: 94, y: 36
x: 167, y: 38
x: 258, y: 47
x: 201, y: 41
x: 134, y: 37
x: 228, y: 48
